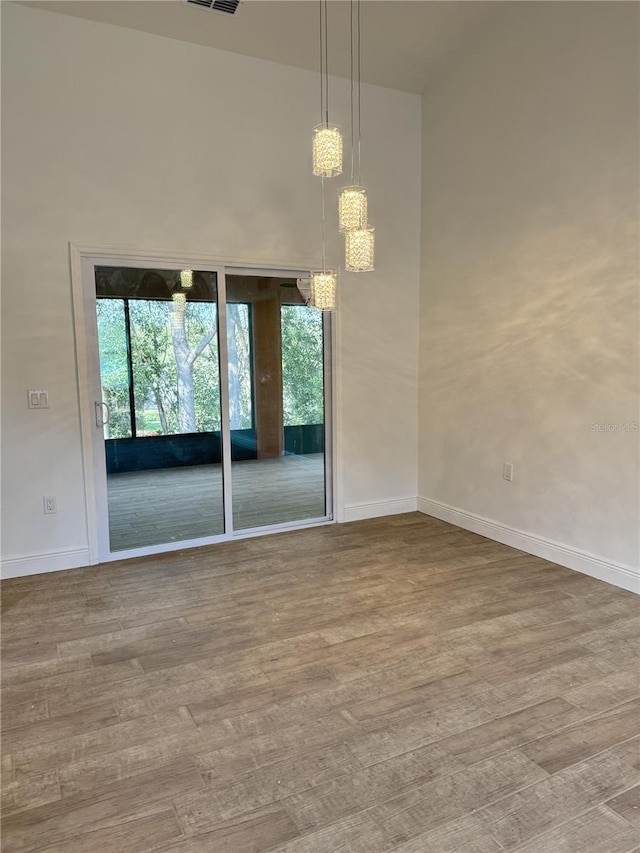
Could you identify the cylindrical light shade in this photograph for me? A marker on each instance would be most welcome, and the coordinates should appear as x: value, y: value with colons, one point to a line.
x: 323, y: 289
x: 352, y: 208
x: 359, y: 248
x: 177, y: 313
x: 327, y: 151
x: 186, y: 279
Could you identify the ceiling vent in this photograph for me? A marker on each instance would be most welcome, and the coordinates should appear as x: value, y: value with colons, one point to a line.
x: 227, y: 7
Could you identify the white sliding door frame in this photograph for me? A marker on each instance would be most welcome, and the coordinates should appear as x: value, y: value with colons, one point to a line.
x: 83, y: 260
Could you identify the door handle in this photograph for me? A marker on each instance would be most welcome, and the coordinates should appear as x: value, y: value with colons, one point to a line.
x: 103, y: 413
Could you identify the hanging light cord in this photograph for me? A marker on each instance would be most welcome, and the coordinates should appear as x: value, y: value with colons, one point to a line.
x: 352, y: 76
x: 321, y: 66
x: 359, y: 100
x: 326, y: 64
x: 324, y: 89
x: 323, y: 252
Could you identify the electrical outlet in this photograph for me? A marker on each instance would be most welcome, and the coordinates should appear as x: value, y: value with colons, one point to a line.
x: 507, y: 471
x: 50, y: 505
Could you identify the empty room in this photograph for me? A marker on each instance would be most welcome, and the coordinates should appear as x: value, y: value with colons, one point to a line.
x: 320, y: 426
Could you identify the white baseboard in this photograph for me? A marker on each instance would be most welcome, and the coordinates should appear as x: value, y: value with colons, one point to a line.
x: 376, y: 509
x: 37, y: 564
x: 617, y: 574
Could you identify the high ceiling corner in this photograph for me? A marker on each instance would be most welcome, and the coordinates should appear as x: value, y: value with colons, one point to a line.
x: 405, y: 42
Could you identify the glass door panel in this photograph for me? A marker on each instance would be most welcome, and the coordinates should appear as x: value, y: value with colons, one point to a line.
x: 160, y: 377
x: 278, y: 458
x: 114, y: 367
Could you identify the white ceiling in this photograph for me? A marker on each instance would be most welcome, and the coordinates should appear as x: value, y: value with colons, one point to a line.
x: 404, y: 42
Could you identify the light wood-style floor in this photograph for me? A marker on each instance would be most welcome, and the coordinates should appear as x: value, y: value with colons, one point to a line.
x: 176, y: 504
x: 389, y: 685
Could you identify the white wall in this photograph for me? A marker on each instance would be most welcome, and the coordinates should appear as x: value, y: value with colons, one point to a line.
x: 115, y: 137
x: 529, y: 299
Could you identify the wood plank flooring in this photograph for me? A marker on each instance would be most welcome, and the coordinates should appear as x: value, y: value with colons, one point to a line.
x: 176, y: 504
x: 387, y: 685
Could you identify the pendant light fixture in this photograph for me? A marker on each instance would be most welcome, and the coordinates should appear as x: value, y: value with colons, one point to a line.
x: 323, y: 290
x: 352, y: 208
x: 359, y: 249
x: 176, y: 316
x: 324, y: 282
x: 186, y: 279
x: 352, y: 200
x: 327, y: 162
x: 327, y: 138
x: 179, y: 302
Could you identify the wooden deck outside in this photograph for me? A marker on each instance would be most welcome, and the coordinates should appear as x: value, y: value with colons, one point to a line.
x: 174, y: 504
x: 389, y: 685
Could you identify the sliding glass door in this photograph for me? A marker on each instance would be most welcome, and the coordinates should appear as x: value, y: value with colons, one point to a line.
x: 213, y: 393
x: 279, y: 477
x: 160, y: 381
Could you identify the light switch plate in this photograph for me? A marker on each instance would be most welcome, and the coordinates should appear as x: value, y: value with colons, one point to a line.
x: 38, y: 399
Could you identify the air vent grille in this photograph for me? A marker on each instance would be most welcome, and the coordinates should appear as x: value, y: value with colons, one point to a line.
x: 227, y: 7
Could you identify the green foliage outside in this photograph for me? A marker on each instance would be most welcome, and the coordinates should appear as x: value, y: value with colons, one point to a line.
x: 113, y: 365
x: 302, y: 369
x: 165, y: 357
x: 156, y: 366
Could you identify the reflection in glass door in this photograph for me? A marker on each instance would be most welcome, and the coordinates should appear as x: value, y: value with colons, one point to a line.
x: 278, y: 463
x: 160, y: 378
